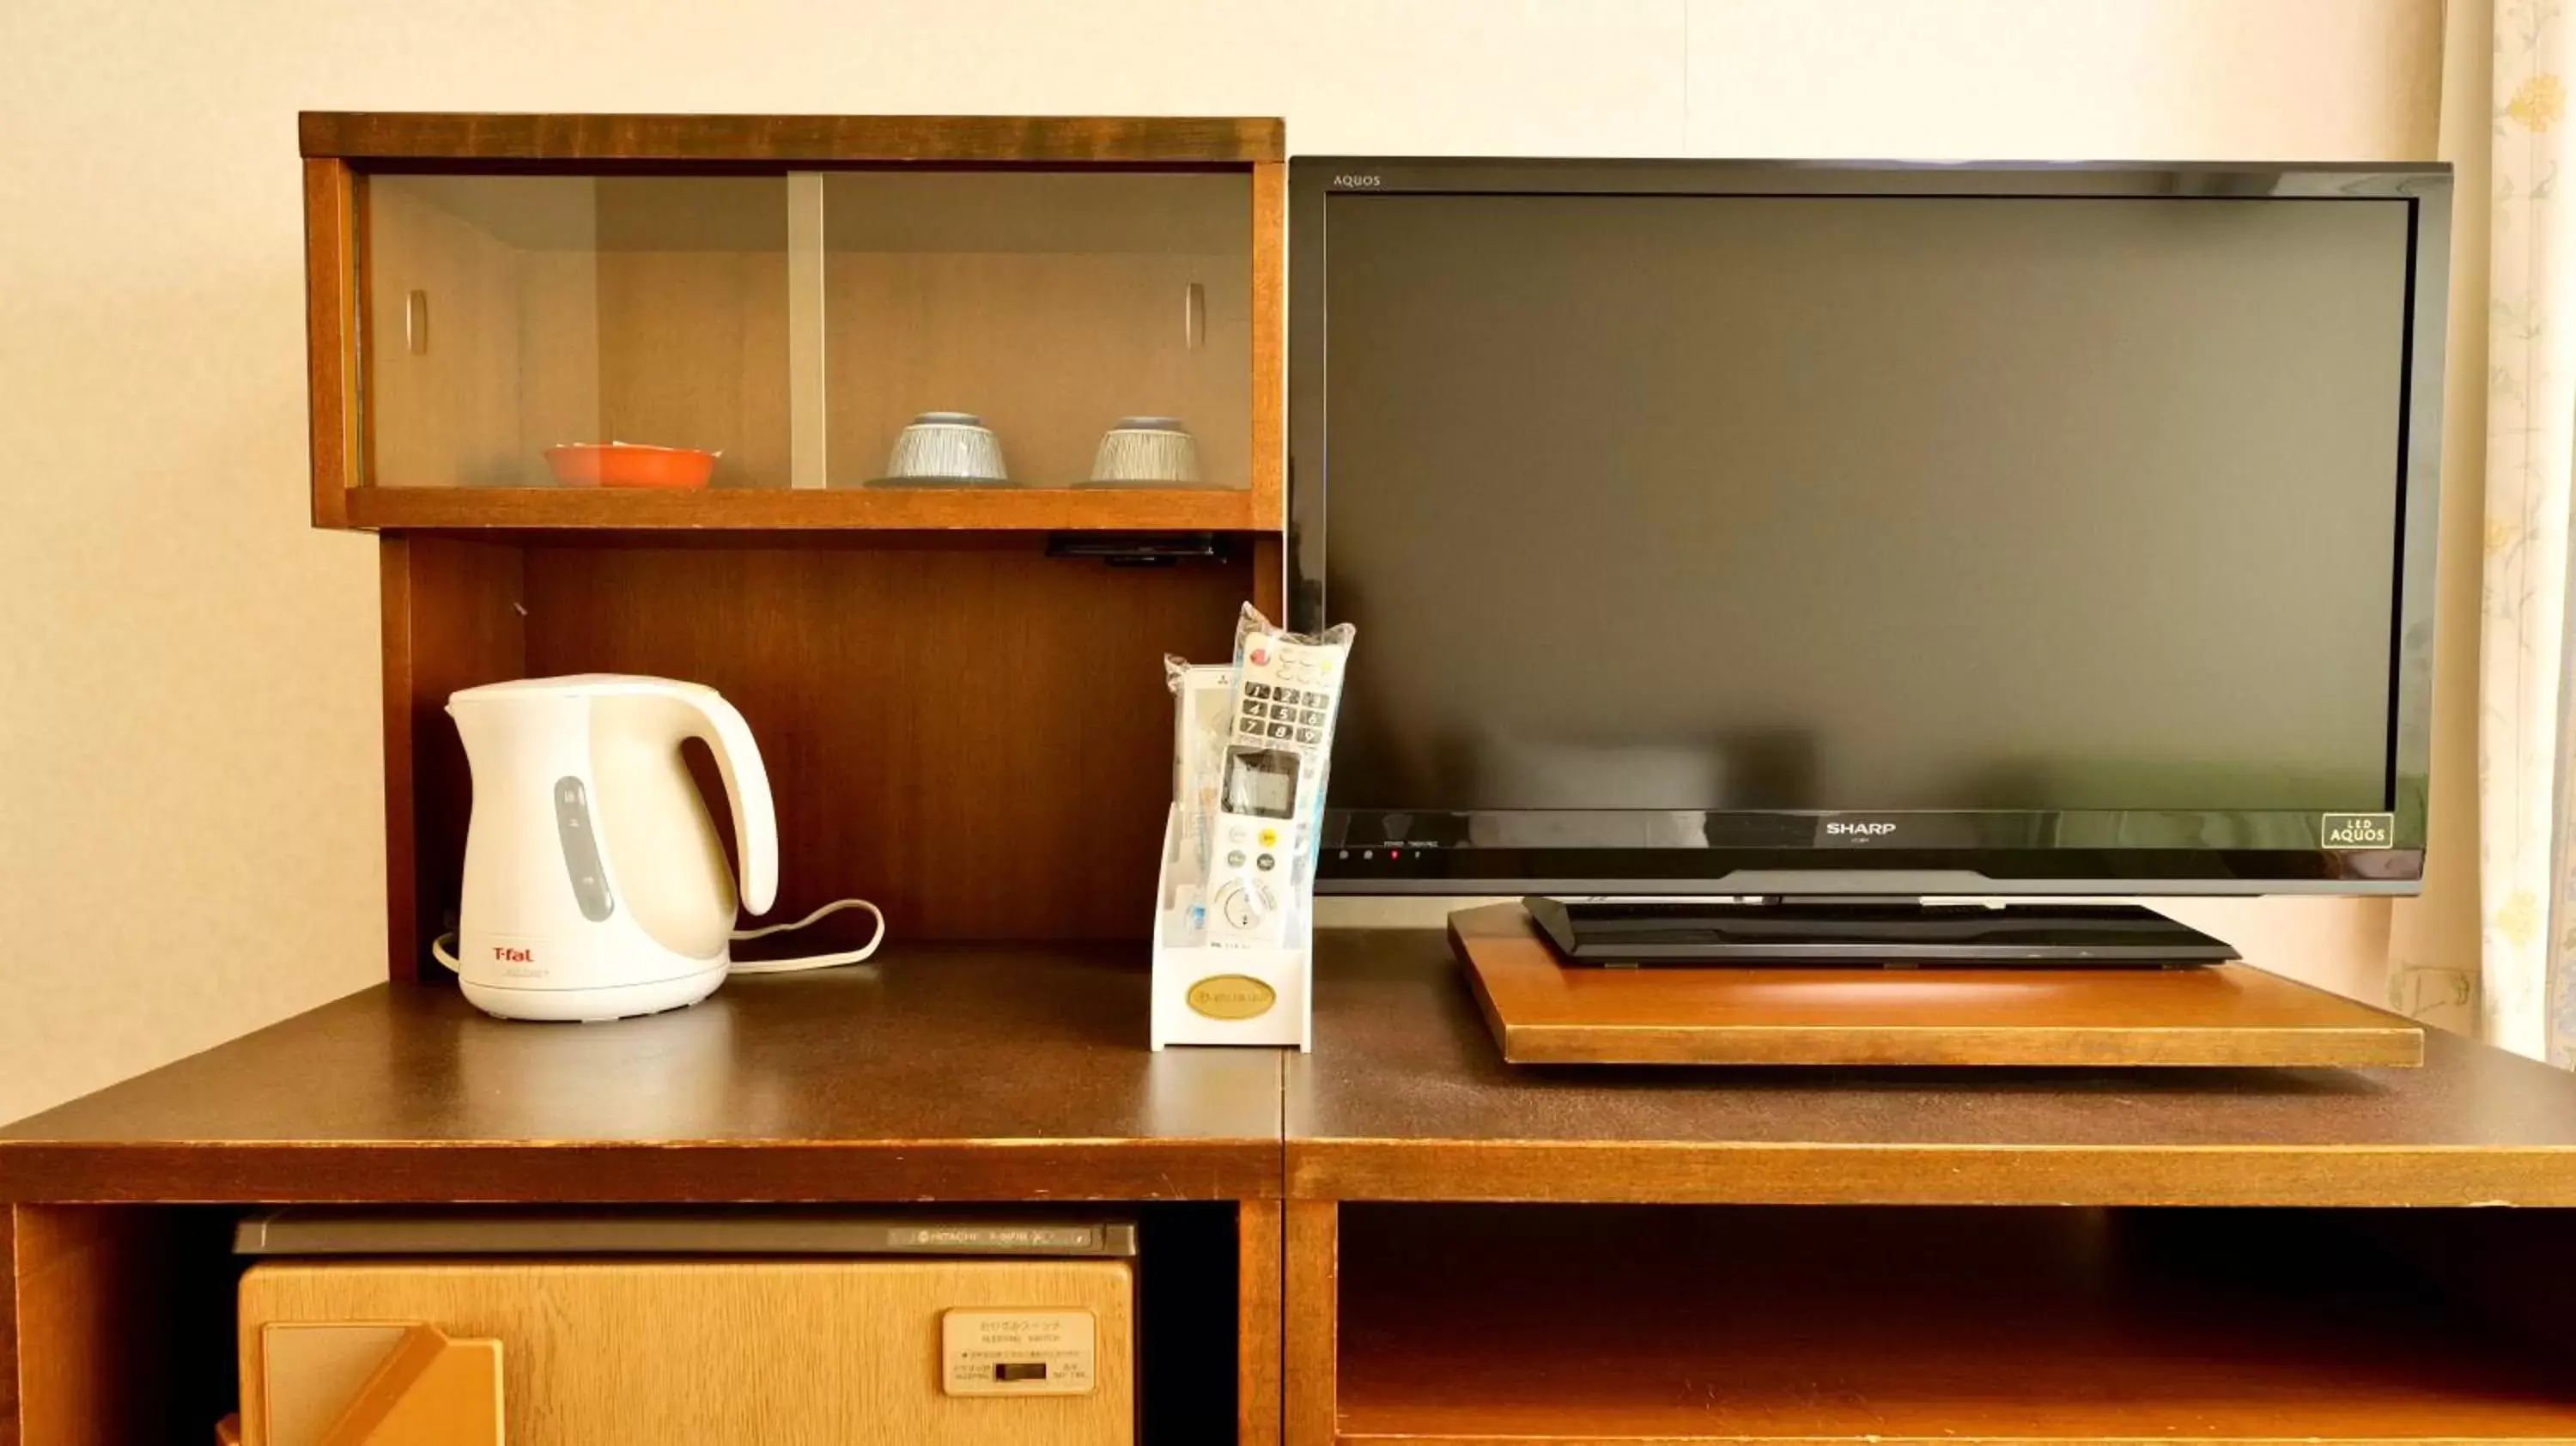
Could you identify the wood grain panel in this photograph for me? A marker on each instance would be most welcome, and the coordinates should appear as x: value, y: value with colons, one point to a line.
x: 386, y: 135
x: 453, y: 618
x: 1406, y: 1097
x: 940, y: 1073
x: 1258, y: 1279
x: 979, y: 739
x: 1817, y: 1326
x: 1269, y: 580
x: 1269, y: 344
x: 114, y: 1307
x: 659, y: 1350
x: 1543, y: 1012
x: 330, y: 335
x: 985, y: 509
x: 1312, y: 1322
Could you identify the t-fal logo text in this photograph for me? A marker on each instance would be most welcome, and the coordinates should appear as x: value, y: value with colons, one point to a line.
x: 504, y: 954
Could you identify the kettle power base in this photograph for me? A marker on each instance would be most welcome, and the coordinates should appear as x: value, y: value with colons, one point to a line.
x: 597, y: 1004
x: 1544, y: 1012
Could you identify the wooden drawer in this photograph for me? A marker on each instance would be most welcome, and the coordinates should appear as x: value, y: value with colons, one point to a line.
x: 787, y: 1352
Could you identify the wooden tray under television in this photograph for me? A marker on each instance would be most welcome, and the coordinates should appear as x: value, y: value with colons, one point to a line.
x: 1544, y: 1012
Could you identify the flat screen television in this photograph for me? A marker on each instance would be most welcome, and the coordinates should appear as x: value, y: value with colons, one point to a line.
x: 1785, y: 529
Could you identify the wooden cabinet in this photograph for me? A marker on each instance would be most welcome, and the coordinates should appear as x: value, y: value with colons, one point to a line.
x: 1399, y: 1237
x: 1479, y: 1253
x: 501, y: 316
x: 959, y: 722
x: 788, y: 292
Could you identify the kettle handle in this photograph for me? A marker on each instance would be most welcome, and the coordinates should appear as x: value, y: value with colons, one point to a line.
x: 746, y: 781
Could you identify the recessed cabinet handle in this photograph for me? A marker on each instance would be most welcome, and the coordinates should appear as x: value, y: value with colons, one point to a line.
x: 416, y: 322
x: 1194, y: 316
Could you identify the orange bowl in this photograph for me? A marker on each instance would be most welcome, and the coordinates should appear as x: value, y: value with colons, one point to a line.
x: 630, y: 464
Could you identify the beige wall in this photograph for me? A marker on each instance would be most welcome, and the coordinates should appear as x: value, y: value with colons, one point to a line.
x: 187, y: 687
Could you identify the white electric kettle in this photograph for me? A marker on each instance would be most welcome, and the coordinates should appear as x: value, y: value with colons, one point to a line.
x: 595, y: 885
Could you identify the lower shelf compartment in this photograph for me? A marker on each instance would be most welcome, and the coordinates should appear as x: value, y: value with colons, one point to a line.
x: 1523, y: 1324
x: 119, y: 1324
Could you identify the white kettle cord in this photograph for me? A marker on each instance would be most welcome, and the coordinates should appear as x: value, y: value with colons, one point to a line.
x: 438, y: 946
x: 819, y: 961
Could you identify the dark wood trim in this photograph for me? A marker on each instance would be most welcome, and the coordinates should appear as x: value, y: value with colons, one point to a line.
x: 362, y: 307
x: 1613, y: 1172
x: 9, y: 1271
x: 695, y: 1172
x: 1269, y: 579
x: 330, y: 335
x: 453, y: 617
x: 1313, y: 1311
x: 402, y: 834
x: 819, y: 139
x: 779, y: 509
x: 1269, y: 345
x: 1257, y: 1370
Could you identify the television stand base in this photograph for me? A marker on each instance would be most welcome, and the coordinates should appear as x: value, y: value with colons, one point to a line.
x: 1545, y: 1013
x: 1883, y: 933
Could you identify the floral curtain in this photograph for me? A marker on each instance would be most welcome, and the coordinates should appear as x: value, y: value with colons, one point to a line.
x: 2527, y: 852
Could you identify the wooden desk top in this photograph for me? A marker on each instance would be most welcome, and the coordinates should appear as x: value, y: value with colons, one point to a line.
x: 952, y: 1073
x: 1020, y: 1073
x: 1407, y: 1098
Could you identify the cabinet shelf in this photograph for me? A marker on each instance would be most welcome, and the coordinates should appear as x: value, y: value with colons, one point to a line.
x: 1015, y: 509
x: 1820, y: 1325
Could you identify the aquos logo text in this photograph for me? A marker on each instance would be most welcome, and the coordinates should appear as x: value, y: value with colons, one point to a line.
x: 2358, y: 830
x: 1357, y: 182
x: 1858, y: 830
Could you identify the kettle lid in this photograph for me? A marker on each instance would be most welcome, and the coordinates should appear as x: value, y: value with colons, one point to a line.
x: 586, y: 685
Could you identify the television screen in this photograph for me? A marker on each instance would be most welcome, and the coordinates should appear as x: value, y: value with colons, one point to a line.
x: 1980, y: 520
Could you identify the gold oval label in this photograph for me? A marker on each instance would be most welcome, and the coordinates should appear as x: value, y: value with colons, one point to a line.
x: 1232, y: 996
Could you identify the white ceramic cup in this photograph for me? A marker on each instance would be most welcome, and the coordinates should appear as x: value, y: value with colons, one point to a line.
x: 950, y: 447
x: 1146, y: 452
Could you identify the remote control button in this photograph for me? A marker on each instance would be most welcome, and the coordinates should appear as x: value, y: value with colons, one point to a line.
x: 1310, y: 735
x: 1311, y: 717
x: 1282, y: 731
x: 1256, y: 690
x: 1265, y: 863
x: 1234, y: 860
x: 1260, y: 656
x: 1270, y: 838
